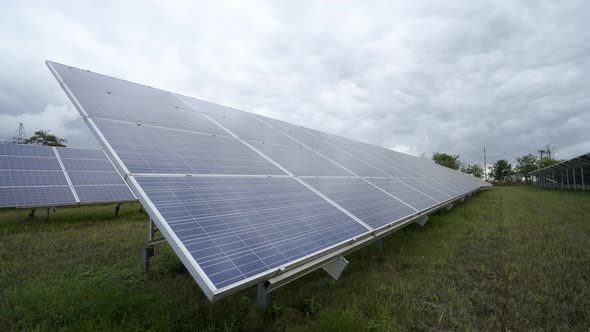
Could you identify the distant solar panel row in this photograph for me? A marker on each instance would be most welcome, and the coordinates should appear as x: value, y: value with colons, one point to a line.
x: 32, y: 176
x: 241, y: 197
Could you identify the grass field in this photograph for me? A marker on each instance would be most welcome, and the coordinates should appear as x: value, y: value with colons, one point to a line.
x: 514, y: 258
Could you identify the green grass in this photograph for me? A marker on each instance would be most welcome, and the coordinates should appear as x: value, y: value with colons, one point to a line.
x: 514, y: 258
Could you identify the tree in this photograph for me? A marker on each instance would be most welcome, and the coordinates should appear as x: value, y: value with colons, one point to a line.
x: 546, y: 162
x: 43, y: 137
x: 550, y: 152
x: 525, y: 165
x: 474, y: 169
x: 501, y: 170
x: 447, y: 160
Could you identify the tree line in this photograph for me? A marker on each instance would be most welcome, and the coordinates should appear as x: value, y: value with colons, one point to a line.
x: 502, y: 170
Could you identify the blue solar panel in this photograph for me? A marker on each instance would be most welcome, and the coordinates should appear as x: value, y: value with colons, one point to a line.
x: 423, y: 186
x: 73, y: 153
x: 104, y: 193
x: 239, y: 216
x: 406, y: 193
x: 363, y: 200
x: 353, y: 164
x: 94, y: 178
x: 301, y: 160
x: 36, y: 196
x: 243, y: 124
x: 145, y: 149
x: 236, y: 228
x: 88, y: 164
x: 29, y: 163
x: 125, y: 101
x: 32, y: 178
x: 26, y: 150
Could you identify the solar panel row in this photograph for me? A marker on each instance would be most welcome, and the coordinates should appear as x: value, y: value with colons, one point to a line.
x: 241, y: 197
x: 36, y: 176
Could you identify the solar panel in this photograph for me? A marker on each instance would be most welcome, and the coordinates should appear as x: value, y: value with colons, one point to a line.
x: 241, y: 197
x: 365, y: 201
x: 37, y: 176
x: 236, y: 228
x: 148, y: 149
x: 93, y: 176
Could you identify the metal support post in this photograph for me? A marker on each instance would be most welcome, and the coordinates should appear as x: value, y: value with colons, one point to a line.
x: 582, y: 173
x: 379, y: 246
x: 263, y: 298
x: 148, y: 251
x: 567, y: 177
x: 574, y: 177
x: 32, y: 214
x: 561, y: 180
x: 117, y: 209
x: 46, y: 216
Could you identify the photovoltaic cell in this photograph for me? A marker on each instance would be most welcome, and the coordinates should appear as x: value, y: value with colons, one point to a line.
x: 104, y: 193
x: 300, y: 161
x: 26, y: 150
x: 73, y: 153
x: 31, y: 176
x: 94, y: 178
x: 145, y: 149
x: 363, y: 200
x: 126, y: 101
x: 423, y: 186
x: 88, y: 164
x: 36, y: 196
x: 236, y: 228
x: 29, y: 163
x: 406, y: 193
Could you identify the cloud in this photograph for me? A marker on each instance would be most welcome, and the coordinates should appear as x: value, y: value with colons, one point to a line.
x: 62, y: 121
x: 412, y: 76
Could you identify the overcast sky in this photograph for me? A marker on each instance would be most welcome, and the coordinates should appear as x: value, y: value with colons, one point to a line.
x: 417, y: 77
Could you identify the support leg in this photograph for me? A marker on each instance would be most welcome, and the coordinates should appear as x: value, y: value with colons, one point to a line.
x: 117, y: 209
x: 32, y: 214
x: 582, y: 174
x: 422, y: 221
x: 46, y: 216
x: 263, y: 298
x: 379, y: 246
x: 146, y: 253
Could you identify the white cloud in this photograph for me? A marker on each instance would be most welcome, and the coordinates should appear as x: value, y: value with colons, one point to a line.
x: 413, y: 76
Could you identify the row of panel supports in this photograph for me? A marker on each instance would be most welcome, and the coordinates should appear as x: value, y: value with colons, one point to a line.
x: 31, y: 214
x: 571, y: 178
x: 334, y: 268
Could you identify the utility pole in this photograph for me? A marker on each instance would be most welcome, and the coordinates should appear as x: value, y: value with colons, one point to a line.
x: 485, y: 165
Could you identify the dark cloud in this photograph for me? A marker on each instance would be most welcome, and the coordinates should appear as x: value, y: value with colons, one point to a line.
x: 418, y: 77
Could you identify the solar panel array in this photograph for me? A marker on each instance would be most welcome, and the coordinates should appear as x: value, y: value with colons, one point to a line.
x: 241, y: 197
x: 39, y: 176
